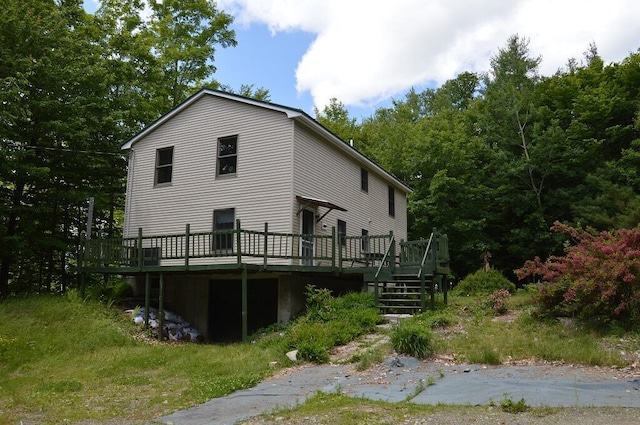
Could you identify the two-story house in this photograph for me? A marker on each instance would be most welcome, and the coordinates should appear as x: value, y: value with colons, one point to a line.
x: 234, y: 205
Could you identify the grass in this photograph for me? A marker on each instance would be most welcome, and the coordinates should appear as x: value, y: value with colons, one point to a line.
x: 67, y: 360
x: 337, y: 408
x: 72, y: 361
x: 490, y: 342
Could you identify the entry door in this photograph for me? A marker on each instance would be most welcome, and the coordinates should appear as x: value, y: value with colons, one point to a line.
x: 308, y: 227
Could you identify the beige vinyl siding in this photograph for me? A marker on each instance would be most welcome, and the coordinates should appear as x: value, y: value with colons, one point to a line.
x: 259, y: 192
x: 322, y: 171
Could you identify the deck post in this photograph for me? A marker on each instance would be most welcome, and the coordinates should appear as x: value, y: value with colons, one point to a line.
x: 244, y: 305
x: 83, y: 278
x: 333, y: 250
x: 392, y: 252
x: 266, y: 243
x: 434, y: 257
x: 445, y: 290
x: 238, y: 242
x: 140, y: 250
x: 375, y: 291
x: 434, y: 282
x: 161, y: 307
x: 187, y: 232
x: 147, y: 298
x: 423, y: 291
x: 83, y: 260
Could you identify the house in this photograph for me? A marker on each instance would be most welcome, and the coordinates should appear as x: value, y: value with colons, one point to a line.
x: 234, y: 205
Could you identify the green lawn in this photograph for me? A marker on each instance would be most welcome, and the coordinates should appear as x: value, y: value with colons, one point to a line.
x: 67, y: 360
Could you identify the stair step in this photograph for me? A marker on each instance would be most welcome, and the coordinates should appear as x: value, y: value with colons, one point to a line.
x: 399, y: 300
x: 399, y: 307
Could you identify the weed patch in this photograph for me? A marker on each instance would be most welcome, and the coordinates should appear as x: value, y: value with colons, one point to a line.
x: 410, y: 337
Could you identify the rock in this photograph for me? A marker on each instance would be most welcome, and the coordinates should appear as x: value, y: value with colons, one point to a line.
x: 293, y: 355
x: 175, y: 328
x: 396, y: 363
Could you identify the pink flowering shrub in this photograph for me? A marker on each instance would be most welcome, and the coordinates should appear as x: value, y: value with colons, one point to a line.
x: 598, y: 277
x: 497, y: 301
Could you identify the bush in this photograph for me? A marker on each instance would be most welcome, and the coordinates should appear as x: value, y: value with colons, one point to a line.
x: 598, y: 278
x: 413, y: 338
x: 330, y: 321
x: 497, y: 301
x: 111, y: 292
x: 484, y: 282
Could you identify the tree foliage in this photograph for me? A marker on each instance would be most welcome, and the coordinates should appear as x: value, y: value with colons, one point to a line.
x: 74, y: 88
x: 495, y: 158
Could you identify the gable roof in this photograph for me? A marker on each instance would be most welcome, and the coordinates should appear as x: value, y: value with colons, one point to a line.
x: 292, y: 113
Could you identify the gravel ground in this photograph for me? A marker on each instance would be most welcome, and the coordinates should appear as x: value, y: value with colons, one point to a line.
x: 558, y: 394
x: 476, y: 416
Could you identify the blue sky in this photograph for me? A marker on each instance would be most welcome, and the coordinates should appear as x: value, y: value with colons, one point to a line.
x: 267, y: 61
x: 367, y: 52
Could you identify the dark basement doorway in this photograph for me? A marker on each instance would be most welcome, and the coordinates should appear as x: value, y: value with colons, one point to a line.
x: 225, y: 307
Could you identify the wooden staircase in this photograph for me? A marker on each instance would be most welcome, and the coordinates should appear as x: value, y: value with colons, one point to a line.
x: 404, y: 285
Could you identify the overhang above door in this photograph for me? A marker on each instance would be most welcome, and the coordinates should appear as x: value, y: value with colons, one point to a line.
x: 312, y: 202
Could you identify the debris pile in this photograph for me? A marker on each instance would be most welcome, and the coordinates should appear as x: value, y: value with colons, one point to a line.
x: 174, y: 327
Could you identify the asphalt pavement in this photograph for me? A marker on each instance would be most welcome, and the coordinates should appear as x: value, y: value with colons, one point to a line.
x: 423, y: 382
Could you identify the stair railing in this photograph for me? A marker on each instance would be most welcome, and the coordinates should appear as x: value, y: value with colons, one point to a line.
x: 423, y: 288
x: 426, y: 255
x: 390, y: 248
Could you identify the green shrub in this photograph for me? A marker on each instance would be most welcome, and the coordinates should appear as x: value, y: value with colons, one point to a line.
x: 510, y: 406
x: 313, y: 351
x: 484, y: 282
x: 330, y: 321
x: 413, y: 338
x: 437, y: 319
x: 110, y: 292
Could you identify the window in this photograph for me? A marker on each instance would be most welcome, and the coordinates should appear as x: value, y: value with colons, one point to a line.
x: 365, y: 241
x: 164, y: 165
x: 342, y: 232
x: 223, y: 224
x: 392, y: 202
x: 364, y: 180
x: 227, y: 155
x: 151, y: 256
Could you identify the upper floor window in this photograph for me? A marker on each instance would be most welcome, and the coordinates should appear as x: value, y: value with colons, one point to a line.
x: 392, y: 202
x: 164, y: 165
x: 342, y: 232
x: 227, y: 155
x: 364, y: 180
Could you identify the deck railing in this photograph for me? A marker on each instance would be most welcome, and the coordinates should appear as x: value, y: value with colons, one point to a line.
x: 236, y: 244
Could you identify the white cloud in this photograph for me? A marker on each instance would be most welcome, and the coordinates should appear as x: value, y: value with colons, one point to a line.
x: 368, y: 50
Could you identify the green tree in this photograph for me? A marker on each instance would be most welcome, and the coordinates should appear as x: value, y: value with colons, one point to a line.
x: 74, y: 87
x: 185, y: 35
x: 335, y: 117
x: 49, y: 72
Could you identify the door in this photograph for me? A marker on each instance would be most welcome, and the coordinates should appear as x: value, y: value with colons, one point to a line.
x: 308, y: 227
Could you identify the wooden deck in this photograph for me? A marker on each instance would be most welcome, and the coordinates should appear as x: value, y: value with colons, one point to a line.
x: 372, y: 255
x: 382, y: 261
x: 219, y: 250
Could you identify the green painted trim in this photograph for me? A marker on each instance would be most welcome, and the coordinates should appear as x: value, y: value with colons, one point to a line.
x: 245, y: 319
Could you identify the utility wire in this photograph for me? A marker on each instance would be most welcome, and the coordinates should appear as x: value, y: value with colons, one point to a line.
x: 73, y: 150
